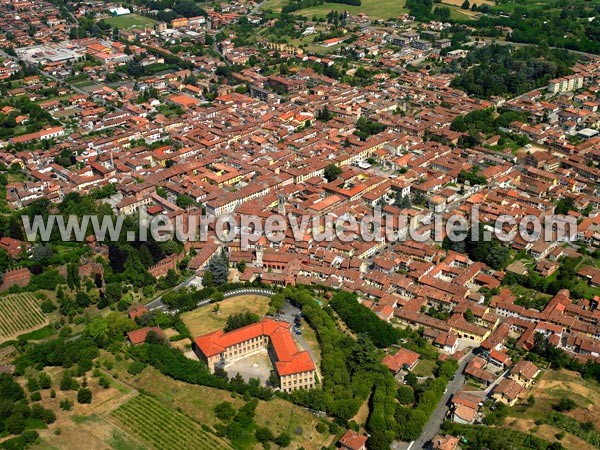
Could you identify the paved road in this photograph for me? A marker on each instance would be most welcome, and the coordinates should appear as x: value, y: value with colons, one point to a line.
x: 437, y: 417
x: 257, y: 8
x: 157, y: 302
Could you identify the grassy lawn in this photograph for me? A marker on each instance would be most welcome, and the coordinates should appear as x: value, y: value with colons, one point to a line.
x: 310, y: 337
x: 456, y: 13
x: 313, y: 47
x: 530, y: 298
x: 204, y: 320
x: 130, y: 21
x: 378, y: 9
x: 424, y: 368
x: 198, y: 402
x: 274, y: 5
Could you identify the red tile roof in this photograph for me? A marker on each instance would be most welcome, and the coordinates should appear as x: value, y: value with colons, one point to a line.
x: 139, y: 336
x: 404, y: 357
x: 289, y: 359
x: 352, y: 440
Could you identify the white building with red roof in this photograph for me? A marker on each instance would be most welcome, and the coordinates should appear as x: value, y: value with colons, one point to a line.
x: 295, y: 368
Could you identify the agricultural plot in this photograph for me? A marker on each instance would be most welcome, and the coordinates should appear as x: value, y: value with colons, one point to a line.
x: 164, y: 428
x: 19, y: 313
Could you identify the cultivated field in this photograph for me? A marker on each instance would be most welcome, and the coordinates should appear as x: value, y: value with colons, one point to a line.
x: 85, y: 427
x: 198, y: 402
x: 164, y: 428
x: 19, y: 313
x: 204, y: 320
x: 547, y: 392
x: 130, y: 21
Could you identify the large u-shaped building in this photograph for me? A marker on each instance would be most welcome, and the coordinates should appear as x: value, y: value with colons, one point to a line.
x: 296, y: 369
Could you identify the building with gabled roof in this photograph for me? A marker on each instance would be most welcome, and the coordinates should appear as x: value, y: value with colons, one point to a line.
x: 295, y: 368
x: 351, y: 440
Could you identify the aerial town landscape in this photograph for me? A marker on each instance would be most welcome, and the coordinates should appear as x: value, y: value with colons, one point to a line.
x: 300, y: 224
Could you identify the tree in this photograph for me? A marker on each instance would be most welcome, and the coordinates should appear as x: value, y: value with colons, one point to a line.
x: 153, y: 337
x: 565, y: 205
x: 208, y: 279
x: 45, y: 381
x: 9, y: 389
x: 225, y: 411
x: 183, y: 201
x: 67, y: 382
x: 239, y: 320
x: 263, y: 435
x: 469, y: 316
x: 171, y: 279
x: 136, y: 367
x: 66, y: 404
x: 411, y: 379
x: 564, y: 404
x: 283, y: 440
x: 84, y: 395
x: 332, y: 172
x: 47, y: 306
x: 218, y: 266
x: 466, y: 5
x: 324, y: 115
x: 113, y: 293
x: 420, y: 9
x: 97, y: 329
x: 82, y: 299
x: 41, y: 253
x: 405, y: 395
x: 73, y: 280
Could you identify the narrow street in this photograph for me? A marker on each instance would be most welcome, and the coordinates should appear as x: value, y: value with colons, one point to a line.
x: 432, y: 427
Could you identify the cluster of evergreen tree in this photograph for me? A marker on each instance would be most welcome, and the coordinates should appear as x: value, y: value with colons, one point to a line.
x: 497, y: 70
x: 240, y: 320
x: 361, y: 319
x: 174, y: 363
x: 562, y: 25
x: 15, y: 409
x: 297, y: 5
x: 490, y: 251
x: 420, y: 9
x: 366, y: 128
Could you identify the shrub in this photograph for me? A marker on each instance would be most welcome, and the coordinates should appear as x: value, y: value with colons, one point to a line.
x: 136, y: 367
x: 66, y: 404
x: 565, y: 404
x: 84, y: 395
x: 225, y: 411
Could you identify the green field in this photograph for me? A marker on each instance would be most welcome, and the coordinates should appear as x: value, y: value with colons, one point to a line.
x: 19, y: 313
x: 164, y: 428
x: 130, y: 21
x: 379, y: 9
x: 458, y: 14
